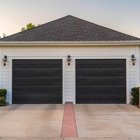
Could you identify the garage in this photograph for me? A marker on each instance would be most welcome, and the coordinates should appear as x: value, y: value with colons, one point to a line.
x: 101, y: 81
x: 69, y: 60
x: 37, y: 81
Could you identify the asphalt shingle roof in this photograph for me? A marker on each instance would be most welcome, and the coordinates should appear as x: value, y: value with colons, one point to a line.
x: 70, y: 28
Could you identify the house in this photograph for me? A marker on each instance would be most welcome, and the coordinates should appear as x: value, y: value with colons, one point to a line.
x: 69, y: 60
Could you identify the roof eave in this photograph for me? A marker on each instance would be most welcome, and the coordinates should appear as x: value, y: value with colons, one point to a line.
x: 60, y: 43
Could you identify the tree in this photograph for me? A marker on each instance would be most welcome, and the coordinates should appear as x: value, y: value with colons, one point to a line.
x: 28, y: 27
x: 4, y: 35
x: 23, y: 29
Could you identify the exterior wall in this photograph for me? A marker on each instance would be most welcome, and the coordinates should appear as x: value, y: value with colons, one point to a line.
x: 61, y: 52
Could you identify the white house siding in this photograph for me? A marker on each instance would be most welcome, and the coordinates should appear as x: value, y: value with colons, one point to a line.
x: 46, y: 52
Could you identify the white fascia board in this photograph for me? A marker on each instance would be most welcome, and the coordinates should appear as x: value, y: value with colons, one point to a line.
x: 78, y: 43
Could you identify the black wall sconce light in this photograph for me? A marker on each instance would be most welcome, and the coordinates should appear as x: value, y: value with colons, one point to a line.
x: 4, y: 60
x: 68, y: 59
x: 133, y: 59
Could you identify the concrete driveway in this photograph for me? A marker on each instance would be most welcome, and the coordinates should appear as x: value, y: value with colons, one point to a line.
x: 94, y: 122
x: 113, y: 121
x: 31, y: 120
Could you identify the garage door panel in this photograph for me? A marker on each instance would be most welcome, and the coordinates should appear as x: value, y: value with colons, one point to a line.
x: 119, y: 98
x: 55, y: 64
x: 43, y: 80
x: 100, y: 81
x: 29, y: 98
x: 120, y: 83
x: 31, y: 81
x: 92, y: 63
x: 81, y: 92
x: 56, y: 88
x: 18, y: 97
x: 107, y: 80
x: 16, y: 101
x: 55, y: 72
x: 93, y: 80
x: 19, y: 64
x: 43, y: 89
x: 43, y: 72
x: 18, y: 89
x: 96, y: 98
x: 19, y: 81
x: 105, y: 63
x: 37, y: 81
x: 119, y: 71
x: 108, y: 98
x: 31, y: 89
x: 81, y: 63
x: 120, y: 62
x: 30, y: 64
x: 82, y: 79
x: 106, y: 71
x: 120, y: 79
x: 107, y: 89
x: 119, y: 89
x: 82, y: 89
x: 82, y: 99
x: 94, y: 89
x: 43, y: 63
x: 81, y: 72
x: 93, y: 72
x: 18, y: 72
x: 30, y: 72
x: 55, y: 79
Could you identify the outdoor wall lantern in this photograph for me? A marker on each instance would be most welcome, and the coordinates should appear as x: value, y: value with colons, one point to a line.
x: 4, y: 60
x: 133, y: 59
x: 68, y: 59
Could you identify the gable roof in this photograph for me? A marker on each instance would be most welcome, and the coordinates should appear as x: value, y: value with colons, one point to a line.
x: 70, y: 28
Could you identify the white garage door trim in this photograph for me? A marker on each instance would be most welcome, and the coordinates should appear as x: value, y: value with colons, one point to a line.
x: 127, y: 74
x: 10, y: 63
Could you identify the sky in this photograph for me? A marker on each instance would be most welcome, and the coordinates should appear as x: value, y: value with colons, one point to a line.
x: 120, y: 15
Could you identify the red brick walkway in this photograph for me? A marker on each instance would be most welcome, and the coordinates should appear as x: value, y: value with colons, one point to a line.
x: 69, y: 128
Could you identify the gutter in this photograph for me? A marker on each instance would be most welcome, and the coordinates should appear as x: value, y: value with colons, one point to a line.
x: 64, y: 43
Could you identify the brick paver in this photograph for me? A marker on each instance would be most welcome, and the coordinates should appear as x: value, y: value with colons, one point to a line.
x: 69, y: 128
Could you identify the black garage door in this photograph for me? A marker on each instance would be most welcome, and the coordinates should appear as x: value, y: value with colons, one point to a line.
x: 100, y: 81
x: 37, y: 81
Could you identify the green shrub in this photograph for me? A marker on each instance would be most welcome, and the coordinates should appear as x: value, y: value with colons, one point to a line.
x: 135, y: 96
x: 3, y: 97
x: 3, y: 92
x: 2, y: 101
